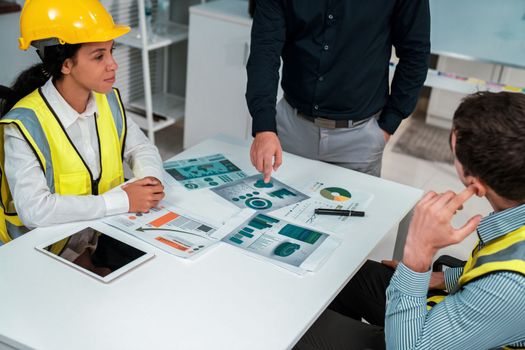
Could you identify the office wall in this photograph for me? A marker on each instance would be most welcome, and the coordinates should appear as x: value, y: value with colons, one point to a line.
x: 12, y: 59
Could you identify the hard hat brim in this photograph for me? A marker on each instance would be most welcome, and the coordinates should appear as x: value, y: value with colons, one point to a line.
x: 102, y: 36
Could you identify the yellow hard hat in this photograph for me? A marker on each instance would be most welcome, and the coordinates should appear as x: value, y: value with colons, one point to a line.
x: 71, y: 22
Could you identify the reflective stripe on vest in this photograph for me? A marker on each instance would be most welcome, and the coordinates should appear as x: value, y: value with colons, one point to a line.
x: 65, y: 171
x: 506, y: 253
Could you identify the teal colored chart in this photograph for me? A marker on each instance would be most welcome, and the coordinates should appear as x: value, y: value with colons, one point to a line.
x: 253, y: 193
x: 275, y: 239
x: 258, y: 203
x: 261, y: 184
x: 283, y: 192
x: 286, y: 249
x: 300, y: 233
x: 203, y: 172
x: 259, y: 222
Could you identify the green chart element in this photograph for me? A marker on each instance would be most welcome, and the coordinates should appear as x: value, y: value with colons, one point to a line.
x: 260, y: 184
x: 258, y: 203
x: 336, y: 194
x: 283, y: 192
x: 286, y: 249
x: 260, y: 222
x: 300, y: 233
x: 244, y: 233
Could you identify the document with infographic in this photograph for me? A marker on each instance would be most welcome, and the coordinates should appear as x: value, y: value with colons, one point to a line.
x: 296, y: 248
x: 327, y: 196
x: 253, y: 193
x: 168, y: 228
x: 204, y: 172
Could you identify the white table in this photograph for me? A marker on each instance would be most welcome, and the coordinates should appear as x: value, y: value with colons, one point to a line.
x: 222, y: 300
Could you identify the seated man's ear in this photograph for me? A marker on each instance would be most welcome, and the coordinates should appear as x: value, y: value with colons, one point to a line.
x: 480, y: 187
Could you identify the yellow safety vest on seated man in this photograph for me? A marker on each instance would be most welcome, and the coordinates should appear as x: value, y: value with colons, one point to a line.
x: 503, y: 254
x: 65, y: 171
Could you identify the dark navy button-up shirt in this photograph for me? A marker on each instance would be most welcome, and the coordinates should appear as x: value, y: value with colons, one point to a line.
x: 336, y: 57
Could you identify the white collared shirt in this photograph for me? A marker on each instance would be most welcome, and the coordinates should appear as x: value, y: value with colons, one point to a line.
x: 35, y: 204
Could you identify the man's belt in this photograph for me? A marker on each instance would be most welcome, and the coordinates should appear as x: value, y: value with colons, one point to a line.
x: 334, y: 123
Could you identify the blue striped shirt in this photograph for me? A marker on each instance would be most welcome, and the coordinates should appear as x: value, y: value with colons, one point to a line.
x: 485, y: 314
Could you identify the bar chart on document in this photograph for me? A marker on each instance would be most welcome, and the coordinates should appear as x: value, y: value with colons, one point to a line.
x: 168, y: 228
x: 276, y: 239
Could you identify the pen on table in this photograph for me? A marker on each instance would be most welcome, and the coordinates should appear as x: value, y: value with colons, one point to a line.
x: 340, y: 212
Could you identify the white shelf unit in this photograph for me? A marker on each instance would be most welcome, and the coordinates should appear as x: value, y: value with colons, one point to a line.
x: 154, y: 110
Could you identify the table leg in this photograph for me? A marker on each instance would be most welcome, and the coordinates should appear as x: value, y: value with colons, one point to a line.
x: 402, y: 231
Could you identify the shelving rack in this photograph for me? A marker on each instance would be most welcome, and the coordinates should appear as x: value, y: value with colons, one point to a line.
x: 156, y: 108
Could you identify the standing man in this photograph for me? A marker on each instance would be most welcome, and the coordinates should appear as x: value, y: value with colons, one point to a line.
x: 337, y: 106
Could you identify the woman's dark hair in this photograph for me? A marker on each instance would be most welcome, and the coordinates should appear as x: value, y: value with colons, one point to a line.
x: 490, y: 131
x: 34, y: 77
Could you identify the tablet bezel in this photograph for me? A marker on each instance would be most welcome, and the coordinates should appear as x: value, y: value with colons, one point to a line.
x: 113, y: 275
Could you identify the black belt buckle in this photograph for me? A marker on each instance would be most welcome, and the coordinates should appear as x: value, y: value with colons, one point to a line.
x: 329, y: 123
x: 336, y: 123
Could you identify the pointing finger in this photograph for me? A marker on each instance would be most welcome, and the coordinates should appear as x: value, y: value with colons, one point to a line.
x: 267, y: 168
x: 456, y: 202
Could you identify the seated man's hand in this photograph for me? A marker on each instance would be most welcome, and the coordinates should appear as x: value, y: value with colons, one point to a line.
x: 437, y: 281
x: 431, y: 228
x: 266, y: 153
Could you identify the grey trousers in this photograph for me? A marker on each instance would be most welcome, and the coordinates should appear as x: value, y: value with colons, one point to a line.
x: 358, y: 148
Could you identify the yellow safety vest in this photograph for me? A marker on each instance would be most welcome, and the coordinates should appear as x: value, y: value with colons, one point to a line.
x: 503, y: 254
x: 65, y: 171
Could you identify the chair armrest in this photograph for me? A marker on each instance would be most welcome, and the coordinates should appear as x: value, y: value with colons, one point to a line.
x: 446, y: 260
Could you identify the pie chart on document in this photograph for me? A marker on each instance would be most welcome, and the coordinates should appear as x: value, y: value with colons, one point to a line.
x: 336, y: 194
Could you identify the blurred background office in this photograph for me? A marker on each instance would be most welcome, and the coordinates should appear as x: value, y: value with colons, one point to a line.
x: 182, y: 77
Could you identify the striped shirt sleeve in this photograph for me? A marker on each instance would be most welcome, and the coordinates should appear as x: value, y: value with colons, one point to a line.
x: 452, y: 276
x: 487, y: 313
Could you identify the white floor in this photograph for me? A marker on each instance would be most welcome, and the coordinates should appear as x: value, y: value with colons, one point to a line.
x: 396, y: 167
x: 428, y: 176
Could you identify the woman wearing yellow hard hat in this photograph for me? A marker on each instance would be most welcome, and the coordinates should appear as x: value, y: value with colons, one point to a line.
x: 64, y: 133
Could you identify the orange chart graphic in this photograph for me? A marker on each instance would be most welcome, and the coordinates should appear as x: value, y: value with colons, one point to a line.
x: 164, y: 219
x: 172, y: 244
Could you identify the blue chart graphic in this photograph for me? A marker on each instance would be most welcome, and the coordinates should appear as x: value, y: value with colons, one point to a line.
x: 208, y: 171
x: 286, y: 249
x: 275, y: 239
x: 258, y: 203
x: 260, y: 222
x: 283, y: 192
x: 260, y: 184
x: 253, y: 193
x: 246, y: 195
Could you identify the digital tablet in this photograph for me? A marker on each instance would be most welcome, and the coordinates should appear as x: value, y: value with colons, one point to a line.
x: 98, y: 254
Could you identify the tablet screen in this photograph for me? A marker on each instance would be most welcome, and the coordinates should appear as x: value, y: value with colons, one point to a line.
x: 95, y: 252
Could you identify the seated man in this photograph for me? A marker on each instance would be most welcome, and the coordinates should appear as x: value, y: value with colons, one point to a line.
x: 485, y: 305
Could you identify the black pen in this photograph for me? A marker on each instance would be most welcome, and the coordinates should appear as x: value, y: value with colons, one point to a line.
x: 322, y: 211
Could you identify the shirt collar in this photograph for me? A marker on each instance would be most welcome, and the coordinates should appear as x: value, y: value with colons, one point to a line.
x: 499, y: 224
x: 65, y: 113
